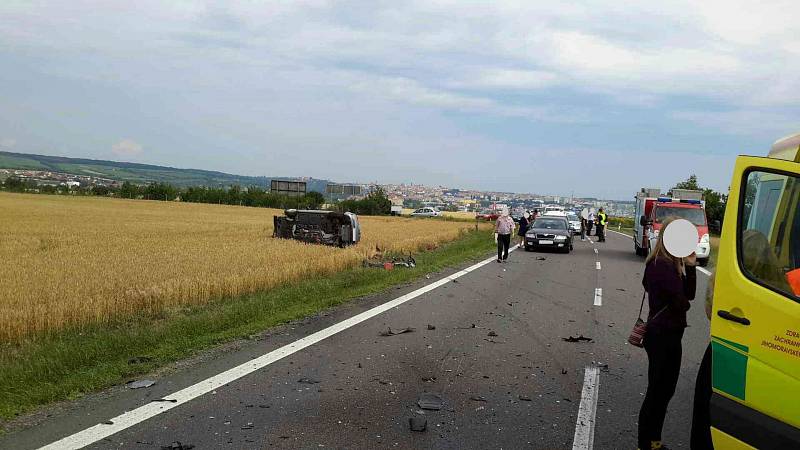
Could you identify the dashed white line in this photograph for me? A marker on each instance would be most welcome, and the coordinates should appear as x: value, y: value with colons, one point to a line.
x: 598, y: 297
x: 126, y: 420
x: 584, y: 427
x: 598, y: 265
x: 596, y: 252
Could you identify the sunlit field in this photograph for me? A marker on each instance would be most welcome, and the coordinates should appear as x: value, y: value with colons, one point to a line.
x: 461, y: 215
x: 72, y: 261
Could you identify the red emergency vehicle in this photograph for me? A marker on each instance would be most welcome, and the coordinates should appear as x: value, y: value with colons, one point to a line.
x: 653, y: 209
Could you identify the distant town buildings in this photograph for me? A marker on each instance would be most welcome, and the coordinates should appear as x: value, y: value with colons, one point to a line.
x: 406, y: 195
x: 49, y: 178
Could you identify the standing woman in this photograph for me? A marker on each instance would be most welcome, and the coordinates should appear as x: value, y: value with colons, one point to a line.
x: 670, y: 283
x: 503, y: 227
x: 523, y: 228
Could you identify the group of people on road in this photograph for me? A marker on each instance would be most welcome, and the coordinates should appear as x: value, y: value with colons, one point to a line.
x: 504, y: 228
x: 597, y: 221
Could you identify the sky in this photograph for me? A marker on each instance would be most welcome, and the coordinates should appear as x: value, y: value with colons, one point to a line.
x: 591, y: 98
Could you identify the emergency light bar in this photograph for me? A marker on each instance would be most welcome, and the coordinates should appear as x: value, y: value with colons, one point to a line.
x: 664, y: 199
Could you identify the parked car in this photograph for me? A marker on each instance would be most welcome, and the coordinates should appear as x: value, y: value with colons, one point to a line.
x: 488, y: 215
x: 549, y: 232
x: 426, y: 212
x: 574, y: 223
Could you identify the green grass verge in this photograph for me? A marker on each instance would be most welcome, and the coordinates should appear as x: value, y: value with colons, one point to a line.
x: 70, y: 364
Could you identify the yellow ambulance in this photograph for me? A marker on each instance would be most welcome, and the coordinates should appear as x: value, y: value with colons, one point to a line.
x: 755, y: 324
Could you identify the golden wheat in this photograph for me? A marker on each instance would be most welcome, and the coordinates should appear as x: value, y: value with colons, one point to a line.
x: 72, y: 261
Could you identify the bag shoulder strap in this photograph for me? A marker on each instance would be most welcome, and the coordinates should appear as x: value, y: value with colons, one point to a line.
x: 644, y: 294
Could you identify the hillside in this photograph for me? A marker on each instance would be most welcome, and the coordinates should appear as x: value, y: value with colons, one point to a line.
x: 135, y: 172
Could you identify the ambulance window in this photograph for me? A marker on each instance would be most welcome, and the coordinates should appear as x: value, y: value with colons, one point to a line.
x: 769, y: 231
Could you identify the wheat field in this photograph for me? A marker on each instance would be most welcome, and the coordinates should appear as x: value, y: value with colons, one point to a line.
x: 73, y: 261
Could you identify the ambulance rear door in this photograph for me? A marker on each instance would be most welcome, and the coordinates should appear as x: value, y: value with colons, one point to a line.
x: 755, y: 326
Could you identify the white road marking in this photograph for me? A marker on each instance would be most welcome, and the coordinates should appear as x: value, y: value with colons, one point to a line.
x: 126, y: 420
x: 699, y: 269
x: 598, y: 265
x: 584, y: 427
x: 596, y: 252
x: 598, y: 297
x: 622, y: 234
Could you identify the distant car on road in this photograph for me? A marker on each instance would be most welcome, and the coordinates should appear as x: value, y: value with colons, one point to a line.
x: 426, y: 212
x: 549, y: 232
x: 574, y: 223
x: 488, y: 215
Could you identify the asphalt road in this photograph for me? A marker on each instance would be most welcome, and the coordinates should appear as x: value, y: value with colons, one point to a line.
x: 493, y: 353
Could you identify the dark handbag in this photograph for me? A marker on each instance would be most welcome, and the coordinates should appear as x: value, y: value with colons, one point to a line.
x: 640, y: 327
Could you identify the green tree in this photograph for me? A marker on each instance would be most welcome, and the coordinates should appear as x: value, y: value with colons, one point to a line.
x: 690, y: 183
x: 715, y: 201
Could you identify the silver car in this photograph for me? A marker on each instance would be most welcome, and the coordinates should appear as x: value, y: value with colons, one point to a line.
x: 426, y: 212
x: 574, y: 223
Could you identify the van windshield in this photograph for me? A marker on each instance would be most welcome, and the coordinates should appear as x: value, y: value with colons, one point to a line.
x: 695, y: 215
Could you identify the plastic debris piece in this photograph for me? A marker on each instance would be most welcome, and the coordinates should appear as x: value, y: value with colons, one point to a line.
x: 249, y: 426
x: 165, y: 400
x: 563, y: 371
x: 541, y: 258
x: 418, y: 424
x: 430, y: 401
x: 603, y: 367
x: 389, y: 331
x: 478, y: 398
x: 431, y: 327
x: 492, y: 334
x: 177, y: 445
x: 306, y: 380
x: 579, y: 338
x: 108, y: 422
x: 525, y: 398
x: 140, y: 384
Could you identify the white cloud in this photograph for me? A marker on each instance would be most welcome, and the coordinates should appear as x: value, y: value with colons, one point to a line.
x: 771, y: 125
x: 127, y: 148
x: 512, y: 79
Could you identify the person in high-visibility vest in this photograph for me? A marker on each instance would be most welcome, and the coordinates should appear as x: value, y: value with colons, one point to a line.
x: 602, y: 219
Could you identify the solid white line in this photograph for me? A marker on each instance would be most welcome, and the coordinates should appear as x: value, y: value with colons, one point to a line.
x: 142, y: 413
x: 584, y: 426
x: 700, y: 269
x: 598, y: 265
x: 621, y: 234
x: 598, y: 297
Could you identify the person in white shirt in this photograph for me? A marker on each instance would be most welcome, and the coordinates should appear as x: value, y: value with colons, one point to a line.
x: 504, y: 227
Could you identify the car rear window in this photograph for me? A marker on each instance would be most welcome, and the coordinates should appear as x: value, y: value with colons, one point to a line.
x: 550, y: 224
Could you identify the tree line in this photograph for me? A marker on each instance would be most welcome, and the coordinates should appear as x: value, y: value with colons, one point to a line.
x: 375, y: 203
x: 715, y: 201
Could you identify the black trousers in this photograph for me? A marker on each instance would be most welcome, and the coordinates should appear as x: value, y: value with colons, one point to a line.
x: 503, y: 242
x: 664, y: 353
x: 701, y: 413
x: 589, y: 228
x: 601, y: 232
